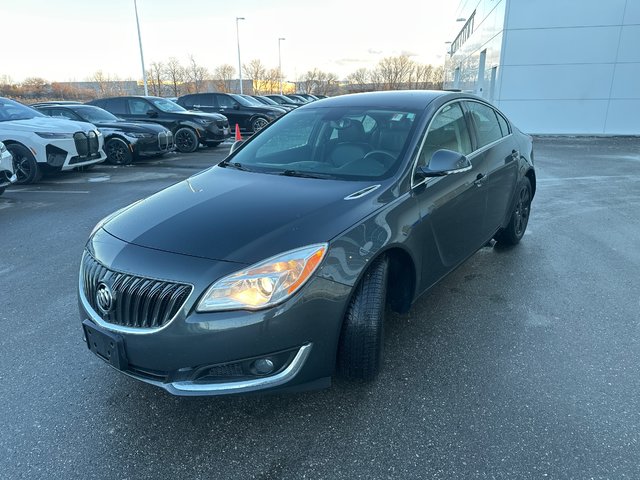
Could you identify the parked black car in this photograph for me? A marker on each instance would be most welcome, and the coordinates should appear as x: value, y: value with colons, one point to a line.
x: 189, y: 129
x: 307, y: 96
x: 250, y: 118
x: 255, y: 102
x: 269, y: 102
x: 282, y: 100
x: 123, y: 141
x: 272, y: 268
x: 297, y: 99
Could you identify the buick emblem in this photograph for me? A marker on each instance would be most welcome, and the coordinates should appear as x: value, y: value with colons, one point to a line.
x: 104, y: 298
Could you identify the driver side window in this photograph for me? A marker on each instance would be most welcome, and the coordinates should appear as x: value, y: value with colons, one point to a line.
x: 448, y: 131
x: 138, y: 107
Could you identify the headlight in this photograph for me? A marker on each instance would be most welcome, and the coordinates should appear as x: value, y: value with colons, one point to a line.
x: 273, y: 114
x: 203, y: 121
x: 138, y: 135
x: 266, y: 283
x: 54, y: 135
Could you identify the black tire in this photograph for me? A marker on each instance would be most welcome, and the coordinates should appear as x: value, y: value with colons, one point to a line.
x: 259, y: 123
x: 212, y: 144
x: 360, y: 347
x: 514, y: 231
x: 186, y: 140
x: 118, y: 152
x: 24, y: 164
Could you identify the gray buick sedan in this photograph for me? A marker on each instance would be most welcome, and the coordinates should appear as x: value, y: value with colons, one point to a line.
x: 273, y: 269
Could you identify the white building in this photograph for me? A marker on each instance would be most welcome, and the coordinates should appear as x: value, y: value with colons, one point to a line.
x: 553, y: 66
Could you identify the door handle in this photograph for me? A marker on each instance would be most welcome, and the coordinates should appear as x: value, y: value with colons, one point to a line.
x: 480, y: 178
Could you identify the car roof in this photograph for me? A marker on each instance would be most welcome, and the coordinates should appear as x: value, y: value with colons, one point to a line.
x: 388, y: 99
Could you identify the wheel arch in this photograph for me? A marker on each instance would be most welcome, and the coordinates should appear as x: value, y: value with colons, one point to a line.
x: 531, y: 175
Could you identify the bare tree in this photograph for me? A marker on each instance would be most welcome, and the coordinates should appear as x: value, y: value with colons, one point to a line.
x: 102, y: 80
x: 175, y: 75
x: 224, y: 76
x: 421, y: 77
x: 155, y: 78
x: 396, y: 72
x: 257, y: 72
x: 271, y: 81
x: 34, y: 87
x: 196, y: 75
x: 359, y: 80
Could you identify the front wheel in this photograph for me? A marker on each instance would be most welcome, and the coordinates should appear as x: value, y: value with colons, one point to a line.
x: 118, y: 152
x: 24, y: 164
x: 259, y: 123
x: 514, y: 231
x: 360, y: 347
x: 186, y: 140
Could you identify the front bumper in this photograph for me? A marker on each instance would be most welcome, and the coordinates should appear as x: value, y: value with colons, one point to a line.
x: 204, y: 353
x: 217, y: 131
x: 7, y: 175
x: 63, y: 154
x: 154, y: 145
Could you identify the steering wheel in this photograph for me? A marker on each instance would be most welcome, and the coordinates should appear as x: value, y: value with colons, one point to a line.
x: 380, y: 156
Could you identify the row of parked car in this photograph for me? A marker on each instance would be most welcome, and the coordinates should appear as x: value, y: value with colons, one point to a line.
x: 56, y: 136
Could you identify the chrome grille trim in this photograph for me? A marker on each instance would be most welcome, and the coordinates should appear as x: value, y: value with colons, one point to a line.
x: 142, y: 305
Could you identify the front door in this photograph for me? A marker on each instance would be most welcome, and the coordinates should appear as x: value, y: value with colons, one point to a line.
x: 452, y: 207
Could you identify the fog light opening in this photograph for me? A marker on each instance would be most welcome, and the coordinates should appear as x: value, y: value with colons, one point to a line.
x: 263, y: 366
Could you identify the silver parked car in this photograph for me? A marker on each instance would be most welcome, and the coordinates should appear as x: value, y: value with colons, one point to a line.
x: 7, y: 175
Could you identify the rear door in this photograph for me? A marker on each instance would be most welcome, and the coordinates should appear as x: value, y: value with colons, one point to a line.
x: 496, y: 149
x: 231, y: 109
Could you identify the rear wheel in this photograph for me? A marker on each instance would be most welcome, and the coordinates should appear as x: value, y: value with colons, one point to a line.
x: 24, y: 164
x: 360, y: 348
x: 118, y: 152
x: 514, y: 231
x: 186, y: 140
x: 259, y: 123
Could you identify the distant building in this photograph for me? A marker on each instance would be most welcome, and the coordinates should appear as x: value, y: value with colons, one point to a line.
x: 554, y: 66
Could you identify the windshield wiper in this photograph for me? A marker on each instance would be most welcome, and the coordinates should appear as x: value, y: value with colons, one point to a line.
x: 298, y: 173
x: 236, y: 165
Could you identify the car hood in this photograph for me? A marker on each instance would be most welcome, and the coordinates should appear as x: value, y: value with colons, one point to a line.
x: 46, y: 124
x: 243, y: 217
x: 208, y: 116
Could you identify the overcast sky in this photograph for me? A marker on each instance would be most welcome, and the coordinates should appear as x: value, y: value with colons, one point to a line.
x: 63, y: 40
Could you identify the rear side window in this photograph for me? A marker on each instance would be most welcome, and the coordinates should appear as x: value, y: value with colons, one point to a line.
x: 116, y: 106
x: 189, y: 101
x: 504, y: 126
x: 225, y: 102
x: 486, y: 122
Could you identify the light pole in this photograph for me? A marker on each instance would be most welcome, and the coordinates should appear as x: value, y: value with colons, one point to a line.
x: 144, y: 72
x: 280, y: 64
x: 239, y: 62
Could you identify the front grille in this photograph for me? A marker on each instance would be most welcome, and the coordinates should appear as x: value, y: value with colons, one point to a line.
x: 87, y: 145
x: 165, y: 140
x: 138, y: 302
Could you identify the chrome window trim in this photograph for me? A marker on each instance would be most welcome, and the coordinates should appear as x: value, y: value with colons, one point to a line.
x: 95, y: 318
x: 248, y: 385
x: 471, y: 156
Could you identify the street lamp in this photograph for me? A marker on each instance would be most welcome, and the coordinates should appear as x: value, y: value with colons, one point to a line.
x: 239, y: 63
x: 144, y: 72
x: 280, y: 64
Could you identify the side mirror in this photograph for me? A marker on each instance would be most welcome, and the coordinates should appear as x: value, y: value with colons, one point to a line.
x: 445, y: 162
x: 152, y: 113
x: 235, y: 146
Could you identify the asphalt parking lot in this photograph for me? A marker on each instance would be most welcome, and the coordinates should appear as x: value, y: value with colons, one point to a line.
x: 523, y: 363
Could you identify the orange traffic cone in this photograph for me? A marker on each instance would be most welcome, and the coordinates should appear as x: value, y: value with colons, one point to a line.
x: 238, y: 136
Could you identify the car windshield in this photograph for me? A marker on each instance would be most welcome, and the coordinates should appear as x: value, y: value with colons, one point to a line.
x: 269, y: 101
x: 95, y: 114
x: 252, y: 101
x: 167, y: 105
x: 241, y: 100
x: 10, y: 110
x: 346, y: 143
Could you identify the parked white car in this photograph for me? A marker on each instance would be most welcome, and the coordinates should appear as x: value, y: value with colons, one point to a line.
x: 41, y: 144
x: 7, y: 177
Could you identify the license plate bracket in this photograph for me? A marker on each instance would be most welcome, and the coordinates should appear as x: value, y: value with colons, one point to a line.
x: 107, y: 345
